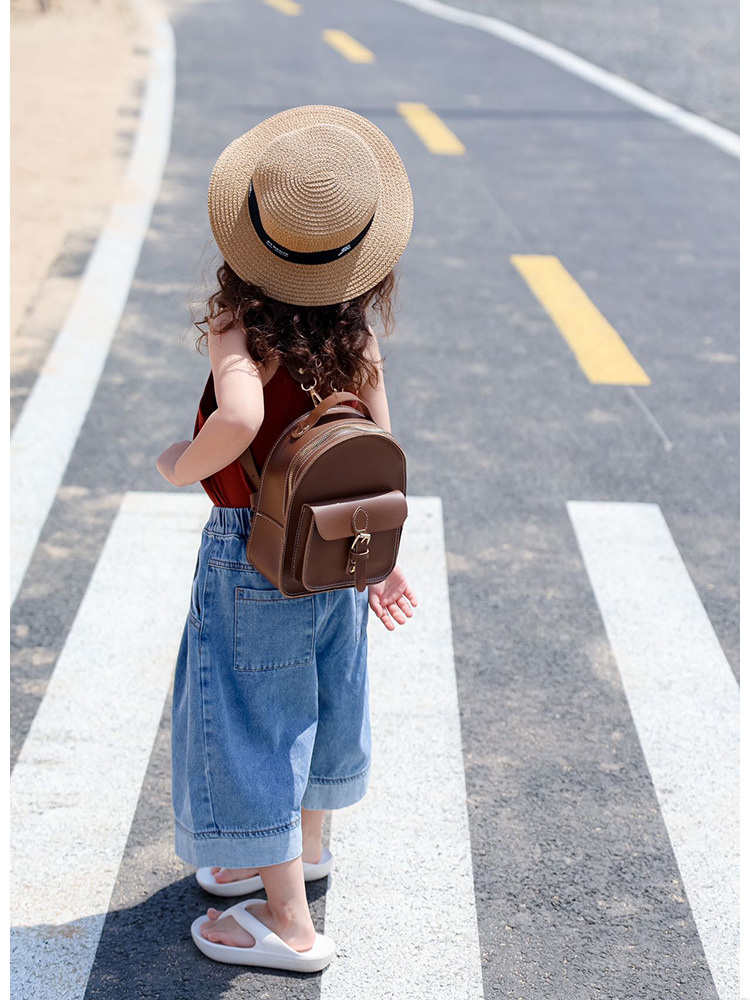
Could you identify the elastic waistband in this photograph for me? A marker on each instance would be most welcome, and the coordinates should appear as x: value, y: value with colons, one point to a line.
x: 230, y: 520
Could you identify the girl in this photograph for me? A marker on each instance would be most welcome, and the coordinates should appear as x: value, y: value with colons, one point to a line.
x: 311, y: 210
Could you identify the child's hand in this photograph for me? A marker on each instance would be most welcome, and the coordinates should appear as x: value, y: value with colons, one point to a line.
x: 392, y: 599
x: 166, y: 462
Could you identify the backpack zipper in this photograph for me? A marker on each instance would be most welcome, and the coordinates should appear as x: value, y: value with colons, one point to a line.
x: 289, y: 427
x: 301, y: 459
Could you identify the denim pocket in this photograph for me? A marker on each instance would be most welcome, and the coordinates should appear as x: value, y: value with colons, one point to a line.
x: 271, y: 631
x: 196, y: 596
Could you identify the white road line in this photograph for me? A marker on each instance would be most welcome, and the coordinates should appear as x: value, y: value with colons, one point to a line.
x: 685, y: 705
x: 401, y: 900
x: 723, y: 138
x: 668, y: 445
x: 46, y: 431
x: 75, y: 787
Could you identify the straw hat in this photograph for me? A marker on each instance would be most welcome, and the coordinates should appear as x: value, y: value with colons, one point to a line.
x: 313, y: 204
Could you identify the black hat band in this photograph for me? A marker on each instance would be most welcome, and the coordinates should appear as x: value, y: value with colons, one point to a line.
x: 297, y: 256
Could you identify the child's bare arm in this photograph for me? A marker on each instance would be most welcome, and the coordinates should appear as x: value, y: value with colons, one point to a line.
x: 392, y: 600
x: 232, y: 426
x: 376, y: 398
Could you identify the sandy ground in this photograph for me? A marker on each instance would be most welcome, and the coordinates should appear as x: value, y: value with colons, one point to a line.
x: 77, y: 72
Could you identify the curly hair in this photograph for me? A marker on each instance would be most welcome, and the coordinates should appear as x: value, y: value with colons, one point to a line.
x: 329, y: 341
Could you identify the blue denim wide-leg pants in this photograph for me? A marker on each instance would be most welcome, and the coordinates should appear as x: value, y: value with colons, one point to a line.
x: 270, y: 711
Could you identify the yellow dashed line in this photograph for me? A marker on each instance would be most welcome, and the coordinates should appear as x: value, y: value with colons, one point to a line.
x: 349, y: 47
x: 285, y: 6
x: 597, y: 346
x: 433, y: 132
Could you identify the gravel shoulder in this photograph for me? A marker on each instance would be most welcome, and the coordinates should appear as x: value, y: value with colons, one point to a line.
x: 76, y: 71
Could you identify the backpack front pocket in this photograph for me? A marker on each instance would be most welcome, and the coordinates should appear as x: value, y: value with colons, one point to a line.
x: 342, y: 538
x: 271, y: 631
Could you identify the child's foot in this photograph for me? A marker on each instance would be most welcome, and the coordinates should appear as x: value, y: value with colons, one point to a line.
x: 300, y: 936
x: 312, y: 855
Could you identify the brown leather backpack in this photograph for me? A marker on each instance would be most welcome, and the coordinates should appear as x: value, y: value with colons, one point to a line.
x: 331, y: 499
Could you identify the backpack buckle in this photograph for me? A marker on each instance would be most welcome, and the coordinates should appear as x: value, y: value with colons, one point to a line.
x: 354, y: 552
x: 316, y: 397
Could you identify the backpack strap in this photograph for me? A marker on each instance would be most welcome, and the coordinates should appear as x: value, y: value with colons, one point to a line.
x: 248, y: 463
x: 335, y: 399
x: 307, y: 380
x: 247, y: 459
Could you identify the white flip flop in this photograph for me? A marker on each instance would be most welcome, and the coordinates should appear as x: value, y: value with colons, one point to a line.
x: 269, y: 950
x: 207, y: 881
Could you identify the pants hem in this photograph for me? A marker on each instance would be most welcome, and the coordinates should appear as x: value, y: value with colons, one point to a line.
x: 236, y: 850
x: 335, y: 794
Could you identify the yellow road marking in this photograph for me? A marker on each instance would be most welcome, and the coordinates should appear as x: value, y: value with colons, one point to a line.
x: 349, y: 47
x: 285, y: 6
x: 433, y: 132
x: 597, y: 346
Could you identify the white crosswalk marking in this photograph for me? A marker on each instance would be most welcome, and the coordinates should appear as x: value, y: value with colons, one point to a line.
x: 400, y: 904
x: 75, y: 787
x: 684, y: 701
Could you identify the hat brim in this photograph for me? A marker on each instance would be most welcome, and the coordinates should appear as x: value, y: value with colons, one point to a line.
x: 309, y: 284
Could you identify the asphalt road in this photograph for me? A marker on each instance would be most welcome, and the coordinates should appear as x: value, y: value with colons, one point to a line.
x: 687, y: 52
x: 498, y: 420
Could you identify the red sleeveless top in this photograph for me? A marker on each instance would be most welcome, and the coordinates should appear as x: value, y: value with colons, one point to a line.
x: 284, y: 399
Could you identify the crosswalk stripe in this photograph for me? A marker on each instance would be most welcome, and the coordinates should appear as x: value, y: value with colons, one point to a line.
x: 431, y: 129
x: 598, y: 347
x: 684, y: 700
x: 400, y: 903
x: 46, y: 431
x: 349, y: 47
x: 76, y: 785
